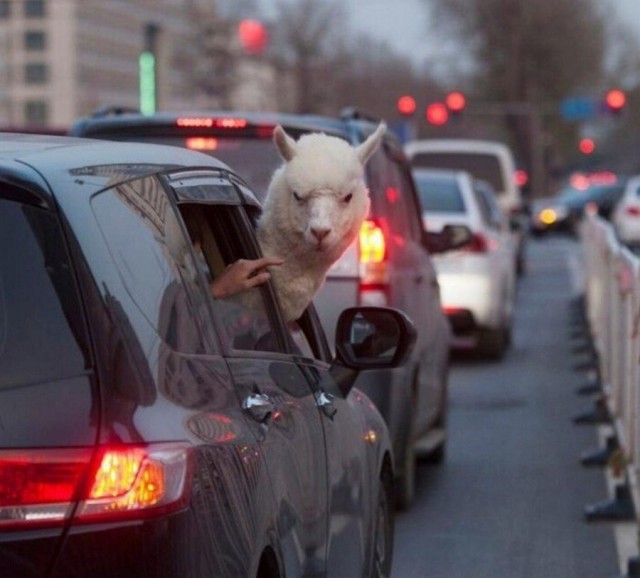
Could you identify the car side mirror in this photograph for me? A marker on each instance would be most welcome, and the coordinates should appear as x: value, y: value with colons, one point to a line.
x: 370, y: 338
x: 451, y: 237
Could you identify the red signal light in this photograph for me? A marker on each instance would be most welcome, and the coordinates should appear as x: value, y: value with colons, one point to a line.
x: 253, y: 36
x: 521, y: 177
x: 437, y: 114
x: 406, y: 105
x: 616, y: 100
x: 587, y: 146
x: 456, y: 102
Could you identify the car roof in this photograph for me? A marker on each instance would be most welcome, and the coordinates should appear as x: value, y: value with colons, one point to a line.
x: 350, y: 124
x: 63, y: 166
x: 457, y: 144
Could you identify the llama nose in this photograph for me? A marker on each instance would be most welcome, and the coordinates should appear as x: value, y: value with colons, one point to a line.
x: 319, y: 233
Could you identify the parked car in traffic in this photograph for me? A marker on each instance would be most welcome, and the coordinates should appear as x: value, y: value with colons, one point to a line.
x: 390, y: 265
x: 564, y: 211
x: 488, y: 161
x: 478, y: 281
x: 149, y: 429
x: 625, y: 215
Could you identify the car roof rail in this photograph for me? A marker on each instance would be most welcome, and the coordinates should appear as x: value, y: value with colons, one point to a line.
x: 352, y: 113
x: 110, y: 110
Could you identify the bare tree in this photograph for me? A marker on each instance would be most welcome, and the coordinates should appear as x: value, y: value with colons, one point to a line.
x: 375, y: 75
x: 212, y: 53
x: 306, y: 42
x: 534, y: 53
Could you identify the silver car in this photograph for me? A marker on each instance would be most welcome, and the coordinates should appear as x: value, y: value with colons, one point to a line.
x: 478, y: 281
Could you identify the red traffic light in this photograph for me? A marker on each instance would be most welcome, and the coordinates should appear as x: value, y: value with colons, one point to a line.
x: 406, y: 105
x: 587, y: 146
x: 456, y: 102
x: 616, y: 99
x: 437, y: 114
x: 521, y: 177
x: 253, y: 36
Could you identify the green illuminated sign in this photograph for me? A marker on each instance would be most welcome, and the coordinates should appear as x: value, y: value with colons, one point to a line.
x: 147, y: 67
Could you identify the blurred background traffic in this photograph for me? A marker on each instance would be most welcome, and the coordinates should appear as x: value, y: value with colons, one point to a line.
x: 558, y: 80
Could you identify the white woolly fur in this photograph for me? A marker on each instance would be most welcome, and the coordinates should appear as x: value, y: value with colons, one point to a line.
x: 313, y: 210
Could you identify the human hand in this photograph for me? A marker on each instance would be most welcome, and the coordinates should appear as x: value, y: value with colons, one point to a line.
x: 242, y: 275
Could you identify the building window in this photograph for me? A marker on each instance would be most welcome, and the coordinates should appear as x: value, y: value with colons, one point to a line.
x: 5, y: 8
x: 36, y: 73
x: 34, y: 40
x: 36, y: 112
x: 34, y: 8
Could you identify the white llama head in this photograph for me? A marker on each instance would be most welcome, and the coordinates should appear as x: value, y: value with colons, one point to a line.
x: 318, y: 198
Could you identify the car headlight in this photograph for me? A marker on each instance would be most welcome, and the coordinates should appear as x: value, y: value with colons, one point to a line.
x: 551, y: 215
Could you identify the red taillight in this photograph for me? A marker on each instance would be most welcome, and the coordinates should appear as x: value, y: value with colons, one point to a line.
x: 373, y: 246
x: 41, y: 487
x: 208, y: 122
x: 374, y: 273
x: 480, y: 244
x: 202, y: 143
x: 632, y: 210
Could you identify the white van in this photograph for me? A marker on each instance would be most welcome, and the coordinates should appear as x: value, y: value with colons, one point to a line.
x: 486, y: 160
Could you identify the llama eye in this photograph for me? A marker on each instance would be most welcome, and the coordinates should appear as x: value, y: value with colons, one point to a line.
x: 296, y: 196
x: 348, y: 198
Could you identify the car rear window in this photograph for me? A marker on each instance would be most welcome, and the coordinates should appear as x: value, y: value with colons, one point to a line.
x: 439, y: 193
x: 253, y: 158
x: 41, y: 330
x: 485, y: 167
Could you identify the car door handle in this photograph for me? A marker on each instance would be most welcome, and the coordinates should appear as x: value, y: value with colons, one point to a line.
x: 259, y: 406
x: 325, y: 402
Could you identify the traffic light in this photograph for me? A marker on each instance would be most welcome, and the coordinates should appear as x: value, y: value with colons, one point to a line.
x: 615, y: 100
x: 406, y: 105
x: 437, y: 114
x: 253, y: 36
x: 456, y: 102
x: 587, y: 146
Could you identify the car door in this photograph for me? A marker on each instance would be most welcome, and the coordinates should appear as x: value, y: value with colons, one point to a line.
x: 502, y: 256
x: 417, y: 287
x: 351, y: 440
x: 163, y: 378
x: 353, y: 429
x: 273, y: 389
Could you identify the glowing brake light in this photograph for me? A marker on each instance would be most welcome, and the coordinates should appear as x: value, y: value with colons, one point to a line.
x: 41, y: 487
x: 208, y: 122
x: 373, y: 270
x: 373, y: 246
x: 480, y: 244
x: 632, y: 210
x: 200, y: 143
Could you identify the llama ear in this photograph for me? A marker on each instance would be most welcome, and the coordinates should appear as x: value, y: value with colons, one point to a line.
x: 284, y: 143
x: 369, y: 146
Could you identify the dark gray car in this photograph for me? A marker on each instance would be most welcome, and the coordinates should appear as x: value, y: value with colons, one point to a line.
x: 148, y: 429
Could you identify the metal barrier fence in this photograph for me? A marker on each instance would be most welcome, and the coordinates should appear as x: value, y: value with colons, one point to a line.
x: 612, y: 311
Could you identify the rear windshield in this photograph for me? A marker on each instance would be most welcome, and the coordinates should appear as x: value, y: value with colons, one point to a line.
x: 253, y: 158
x: 41, y: 329
x: 439, y: 193
x: 485, y: 167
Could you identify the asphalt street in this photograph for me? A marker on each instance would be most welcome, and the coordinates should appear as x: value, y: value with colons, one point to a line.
x: 508, y: 501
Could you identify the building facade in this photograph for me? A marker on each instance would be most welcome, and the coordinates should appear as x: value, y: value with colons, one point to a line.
x: 62, y: 59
